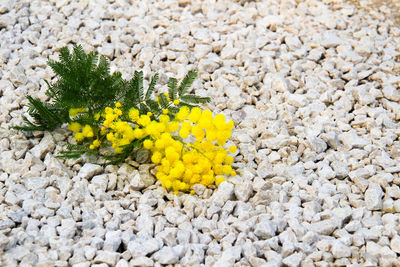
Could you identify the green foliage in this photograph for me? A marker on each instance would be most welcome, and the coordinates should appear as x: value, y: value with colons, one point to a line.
x: 172, y: 88
x: 46, y: 117
x: 187, y: 82
x: 83, y: 81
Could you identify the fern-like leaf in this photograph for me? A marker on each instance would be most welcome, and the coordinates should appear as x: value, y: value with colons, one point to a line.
x: 172, y: 88
x: 194, y: 99
x: 163, y: 101
x: 139, y: 84
x: 44, y: 118
x: 152, y: 85
x: 187, y: 82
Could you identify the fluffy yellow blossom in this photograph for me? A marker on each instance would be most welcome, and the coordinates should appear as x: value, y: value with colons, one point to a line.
x: 147, y: 144
x: 79, y: 137
x: 73, y: 112
x: 182, y: 113
x: 133, y: 114
x: 87, y: 131
x: 74, y: 126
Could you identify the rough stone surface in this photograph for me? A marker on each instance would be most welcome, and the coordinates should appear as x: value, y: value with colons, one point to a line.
x: 313, y: 90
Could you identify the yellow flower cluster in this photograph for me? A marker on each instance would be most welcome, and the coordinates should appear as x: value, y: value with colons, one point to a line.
x: 202, y: 160
x: 81, y: 132
x: 189, y: 149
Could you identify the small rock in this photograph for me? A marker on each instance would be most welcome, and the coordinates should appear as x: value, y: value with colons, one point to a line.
x: 325, y: 227
x: 373, y: 197
x: 352, y: 140
x: 46, y: 145
x: 141, y: 261
x: 330, y: 39
x: 166, y: 255
x: 107, y: 257
x: 35, y: 183
x: 340, y: 168
x: 229, y: 257
x: 112, y: 241
x: 293, y: 260
x: 89, y: 170
x: 224, y: 193
x: 264, y: 229
x: 208, y: 65
x: 243, y: 191
x: 395, y: 243
x: 391, y: 92
x: 340, y: 250
x: 123, y: 263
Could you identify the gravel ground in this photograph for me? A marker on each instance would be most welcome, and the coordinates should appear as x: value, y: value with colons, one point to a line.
x: 313, y: 87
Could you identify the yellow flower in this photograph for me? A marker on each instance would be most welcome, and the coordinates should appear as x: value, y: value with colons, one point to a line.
x: 118, y: 105
x: 103, y: 131
x: 96, y: 143
x: 219, y: 180
x: 156, y: 157
x: 138, y: 133
x: 73, y: 112
x: 79, y: 137
x: 184, y: 133
x: 118, y: 150
x: 165, y: 111
x: 182, y: 113
x: 171, y: 154
x: 195, y: 114
x: 144, y: 120
x: 173, y: 126
x: 198, y: 132
x: 148, y: 144
x: 133, y: 114
x: 87, y: 131
x: 110, y: 137
x: 232, y: 149
x: 164, y: 119
x: 227, y: 169
x: 97, y: 116
x: 176, y: 102
x: 228, y: 160
x: 74, y: 126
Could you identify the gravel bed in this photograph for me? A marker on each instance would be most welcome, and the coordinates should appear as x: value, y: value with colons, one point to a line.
x: 313, y: 88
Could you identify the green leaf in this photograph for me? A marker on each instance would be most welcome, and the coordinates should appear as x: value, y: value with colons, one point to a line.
x: 187, y: 104
x: 73, y: 151
x: 187, y: 82
x: 172, y: 88
x: 43, y: 117
x: 153, y: 105
x: 163, y: 101
x: 143, y: 109
x: 173, y: 110
x: 151, y: 86
x: 194, y: 99
x: 139, y: 84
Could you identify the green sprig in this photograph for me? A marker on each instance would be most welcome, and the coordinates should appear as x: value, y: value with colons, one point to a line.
x: 84, y: 81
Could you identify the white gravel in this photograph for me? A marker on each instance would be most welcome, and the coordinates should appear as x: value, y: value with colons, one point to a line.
x: 313, y: 87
